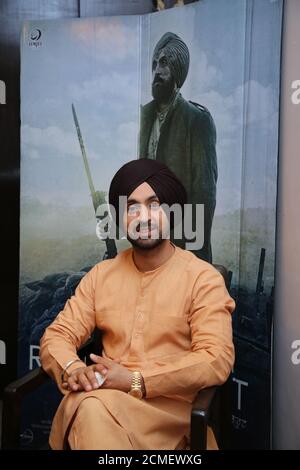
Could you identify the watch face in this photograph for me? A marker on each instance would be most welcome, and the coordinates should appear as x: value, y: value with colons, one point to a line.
x: 136, y: 392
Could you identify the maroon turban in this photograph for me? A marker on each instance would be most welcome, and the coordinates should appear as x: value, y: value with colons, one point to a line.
x: 168, y: 188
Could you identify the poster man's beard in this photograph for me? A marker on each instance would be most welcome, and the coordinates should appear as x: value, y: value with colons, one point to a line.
x: 162, y: 90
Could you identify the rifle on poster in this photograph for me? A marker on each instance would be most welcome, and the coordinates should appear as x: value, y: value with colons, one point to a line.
x: 97, y: 198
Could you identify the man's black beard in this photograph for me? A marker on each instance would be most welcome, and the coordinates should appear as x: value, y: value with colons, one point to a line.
x: 162, y: 90
x: 145, y: 246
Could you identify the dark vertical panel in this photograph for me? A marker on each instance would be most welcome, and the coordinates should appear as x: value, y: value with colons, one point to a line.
x: 286, y: 346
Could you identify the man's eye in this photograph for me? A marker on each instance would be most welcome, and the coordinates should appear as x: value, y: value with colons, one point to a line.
x: 154, y: 205
x: 133, y: 209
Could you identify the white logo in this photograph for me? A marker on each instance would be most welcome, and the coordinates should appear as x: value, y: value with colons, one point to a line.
x: 2, y: 92
x: 296, y: 94
x: 145, y: 223
x: 2, y: 352
x: 295, y: 358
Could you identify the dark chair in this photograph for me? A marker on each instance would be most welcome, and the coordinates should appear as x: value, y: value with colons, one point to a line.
x: 212, y: 406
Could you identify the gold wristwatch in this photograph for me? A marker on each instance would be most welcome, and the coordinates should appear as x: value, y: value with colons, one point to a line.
x: 136, y: 389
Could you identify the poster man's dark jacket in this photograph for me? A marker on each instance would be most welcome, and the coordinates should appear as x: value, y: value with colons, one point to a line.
x: 187, y: 145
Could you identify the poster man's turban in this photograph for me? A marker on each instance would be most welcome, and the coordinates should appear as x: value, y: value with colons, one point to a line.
x: 168, y: 188
x: 177, y: 55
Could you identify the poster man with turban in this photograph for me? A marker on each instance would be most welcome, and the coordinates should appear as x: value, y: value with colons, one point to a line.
x: 165, y: 317
x: 181, y: 133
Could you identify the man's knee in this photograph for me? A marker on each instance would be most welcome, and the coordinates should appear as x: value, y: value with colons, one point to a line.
x: 90, y: 406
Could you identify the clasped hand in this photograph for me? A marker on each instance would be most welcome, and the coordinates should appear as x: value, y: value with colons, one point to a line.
x: 84, y: 378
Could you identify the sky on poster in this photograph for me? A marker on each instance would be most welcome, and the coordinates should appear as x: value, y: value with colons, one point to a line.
x: 102, y: 65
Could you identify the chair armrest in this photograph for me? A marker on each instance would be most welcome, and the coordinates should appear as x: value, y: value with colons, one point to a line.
x: 36, y: 377
x: 200, y: 414
x: 12, y: 400
x: 16, y: 391
x: 27, y: 383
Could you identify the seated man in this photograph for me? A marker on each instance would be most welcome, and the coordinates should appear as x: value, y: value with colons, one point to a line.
x: 166, y: 321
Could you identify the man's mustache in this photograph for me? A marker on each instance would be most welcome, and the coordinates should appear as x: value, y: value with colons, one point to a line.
x: 157, y: 79
x: 146, y: 226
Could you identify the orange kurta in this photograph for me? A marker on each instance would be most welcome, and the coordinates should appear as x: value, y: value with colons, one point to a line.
x: 172, y: 323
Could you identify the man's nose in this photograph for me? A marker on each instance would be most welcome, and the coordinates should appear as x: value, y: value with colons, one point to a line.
x: 144, y: 214
x: 157, y: 70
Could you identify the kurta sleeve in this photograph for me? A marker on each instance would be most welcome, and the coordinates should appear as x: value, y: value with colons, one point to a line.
x: 71, y: 328
x: 211, y: 356
x: 205, y: 173
x: 204, y: 157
